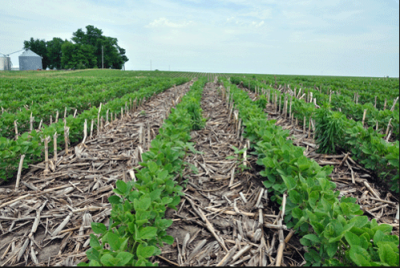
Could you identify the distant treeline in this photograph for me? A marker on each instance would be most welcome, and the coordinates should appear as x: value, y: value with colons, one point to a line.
x: 83, y: 51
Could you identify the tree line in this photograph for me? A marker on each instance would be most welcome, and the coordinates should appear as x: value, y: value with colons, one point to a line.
x: 83, y: 51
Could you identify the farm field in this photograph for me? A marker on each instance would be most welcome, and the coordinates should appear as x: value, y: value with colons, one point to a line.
x: 115, y: 168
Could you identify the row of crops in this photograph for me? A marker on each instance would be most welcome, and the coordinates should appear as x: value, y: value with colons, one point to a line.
x: 39, y: 107
x: 335, y: 133
x: 81, y: 98
x: 116, y: 98
x: 138, y: 226
x: 367, y: 88
x: 333, y: 229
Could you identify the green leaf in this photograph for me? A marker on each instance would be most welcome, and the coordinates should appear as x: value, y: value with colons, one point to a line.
x: 99, y: 228
x: 378, y: 236
x: 374, y: 223
x: 315, y: 255
x: 305, y: 242
x: 124, y: 244
x: 94, y: 263
x: 142, y: 204
x: 314, y: 197
x: 147, y: 233
x: 141, y: 263
x: 332, y: 249
x: 94, y: 241
x: 352, y: 239
x: 165, y: 223
x: 295, y: 197
x: 166, y: 200
x: 300, y: 222
x: 312, y: 237
x: 109, y: 260
x: 297, y: 213
x: 145, y: 252
x: 93, y: 254
x: 267, y: 184
x: 152, y: 167
x: 318, y: 227
x: 345, y: 209
x: 121, y: 186
x: 133, y: 196
x: 154, y: 195
x: 391, y: 238
x: 168, y: 239
x: 359, y: 256
x: 115, y: 200
x: 385, y: 228
x: 348, y: 200
x: 364, y: 241
x: 124, y: 258
x: 113, y: 240
x: 390, y: 244
x: 175, y: 201
x: 359, y: 221
x: 162, y: 175
x: 84, y: 264
x: 290, y: 182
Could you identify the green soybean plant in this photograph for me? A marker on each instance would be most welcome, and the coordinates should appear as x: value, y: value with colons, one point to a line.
x: 334, y: 230
x: 137, y: 228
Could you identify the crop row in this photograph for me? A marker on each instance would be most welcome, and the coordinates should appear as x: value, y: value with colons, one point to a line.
x: 335, y: 132
x: 374, y: 117
x: 366, y: 88
x: 333, y: 230
x: 81, y: 99
x: 137, y: 225
x: 30, y: 145
x: 15, y: 94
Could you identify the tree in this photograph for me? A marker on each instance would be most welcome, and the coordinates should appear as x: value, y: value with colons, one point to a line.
x: 54, y: 52
x: 40, y: 48
x: 85, y: 50
x: 77, y: 56
x: 114, y: 56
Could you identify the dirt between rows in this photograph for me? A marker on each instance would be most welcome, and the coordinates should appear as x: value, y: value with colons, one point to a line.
x: 46, y: 221
x: 222, y: 218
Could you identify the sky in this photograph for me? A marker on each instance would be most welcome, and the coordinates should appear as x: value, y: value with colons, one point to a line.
x: 303, y: 37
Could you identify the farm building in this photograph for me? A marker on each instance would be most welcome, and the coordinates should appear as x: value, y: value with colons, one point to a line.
x: 5, y: 64
x: 29, y: 60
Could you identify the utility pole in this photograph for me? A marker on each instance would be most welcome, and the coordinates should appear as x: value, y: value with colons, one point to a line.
x: 169, y: 67
x: 150, y: 65
x: 102, y: 57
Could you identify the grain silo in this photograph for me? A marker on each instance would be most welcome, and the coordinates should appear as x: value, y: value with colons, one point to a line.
x: 5, y: 63
x: 29, y: 60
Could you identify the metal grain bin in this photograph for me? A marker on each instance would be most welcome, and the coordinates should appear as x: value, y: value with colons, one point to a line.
x: 5, y: 64
x: 29, y: 60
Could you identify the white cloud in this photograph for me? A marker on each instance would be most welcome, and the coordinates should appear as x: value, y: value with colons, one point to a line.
x: 161, y: 22
x: 257, y: 24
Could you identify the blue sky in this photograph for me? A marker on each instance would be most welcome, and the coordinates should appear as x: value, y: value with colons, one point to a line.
x: 307, y: 37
